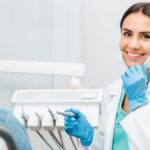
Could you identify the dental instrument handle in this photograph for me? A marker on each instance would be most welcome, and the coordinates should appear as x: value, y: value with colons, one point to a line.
x: 68, y: 114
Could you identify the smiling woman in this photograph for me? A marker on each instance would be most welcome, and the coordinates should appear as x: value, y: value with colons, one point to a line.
x: 135, y: 38
x: 124, y: 111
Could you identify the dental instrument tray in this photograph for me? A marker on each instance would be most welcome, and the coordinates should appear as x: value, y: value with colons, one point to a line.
x: 35, y: 105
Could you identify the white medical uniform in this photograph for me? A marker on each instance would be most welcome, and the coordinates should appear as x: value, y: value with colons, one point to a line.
x: 136, y: 124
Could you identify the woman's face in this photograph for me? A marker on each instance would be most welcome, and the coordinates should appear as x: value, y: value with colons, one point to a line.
x: 135, y: 39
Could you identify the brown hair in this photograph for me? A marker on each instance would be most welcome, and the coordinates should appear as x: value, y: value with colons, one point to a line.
x: 138, y: 7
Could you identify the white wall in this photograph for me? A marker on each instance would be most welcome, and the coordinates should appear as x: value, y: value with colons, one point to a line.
x: 64, y: 31
x: 38, y: 30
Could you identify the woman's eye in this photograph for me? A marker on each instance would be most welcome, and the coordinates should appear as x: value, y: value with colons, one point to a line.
x: 146, y: 36
x: 126, y: 34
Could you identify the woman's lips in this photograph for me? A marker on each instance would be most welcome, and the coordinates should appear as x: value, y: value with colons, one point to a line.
x: 134, y: 56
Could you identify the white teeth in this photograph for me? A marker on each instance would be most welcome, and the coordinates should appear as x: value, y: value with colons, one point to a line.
x: 134, y: 55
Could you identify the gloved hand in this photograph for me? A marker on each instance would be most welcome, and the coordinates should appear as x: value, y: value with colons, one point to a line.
x: 79, y: 127
x: 134, y: 82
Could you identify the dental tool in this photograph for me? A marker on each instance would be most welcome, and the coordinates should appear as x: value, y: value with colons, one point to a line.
x: 24, y: 117
x: 68, y: 114
x: 34, y: 121
x: 59, y: 132
x: 41, y: 136
x: 53, y: 117
x: 61, y: 139
x: 73, y: 143
x: 51, y: 132
x: 56, y: 140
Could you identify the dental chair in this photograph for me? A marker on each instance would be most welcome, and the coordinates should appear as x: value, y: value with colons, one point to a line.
x: 6, y: 140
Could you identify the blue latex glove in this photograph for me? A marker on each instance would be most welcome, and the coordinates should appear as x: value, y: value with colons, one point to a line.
x: 134, y: 82
x: 79, y: 127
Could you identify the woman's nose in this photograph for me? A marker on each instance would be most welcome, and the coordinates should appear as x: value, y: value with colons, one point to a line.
x: 134, y: 43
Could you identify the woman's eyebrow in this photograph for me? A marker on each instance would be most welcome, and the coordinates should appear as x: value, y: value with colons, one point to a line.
x: 125, y: 29
x: 145, y: 32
